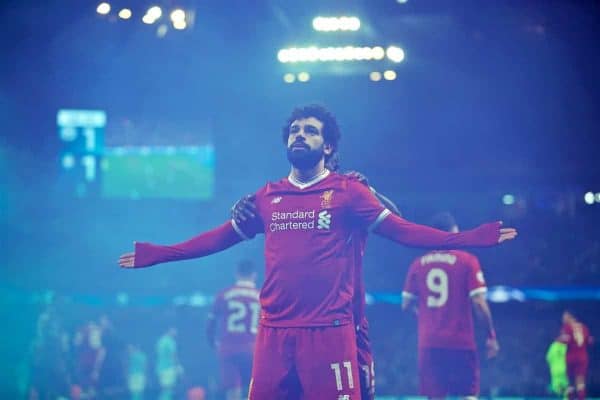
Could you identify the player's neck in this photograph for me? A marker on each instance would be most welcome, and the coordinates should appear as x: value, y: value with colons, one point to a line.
x: 307, y: 175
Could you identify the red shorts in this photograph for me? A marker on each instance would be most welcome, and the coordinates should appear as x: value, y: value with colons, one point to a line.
x: 307, y: 363
x: 235, y: 369
x: 576, y: 367
x: 366, y: 365
x: 444, y: 372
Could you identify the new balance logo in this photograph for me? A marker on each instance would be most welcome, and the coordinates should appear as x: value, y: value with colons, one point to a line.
x: 276, y: 200
x: 324, y: 220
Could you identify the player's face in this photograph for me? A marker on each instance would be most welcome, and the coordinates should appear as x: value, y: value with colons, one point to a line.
x: 306, y: 145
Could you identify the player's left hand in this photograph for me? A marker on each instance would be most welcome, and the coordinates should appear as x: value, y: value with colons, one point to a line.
x: 507, y: 234
x: 492, y: 347
x: 244, y: 209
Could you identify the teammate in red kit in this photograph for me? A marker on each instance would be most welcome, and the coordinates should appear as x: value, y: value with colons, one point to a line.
x: 231, y: 328
x: 577, y: 338
x: 446, y: 285
x: 306, y: 343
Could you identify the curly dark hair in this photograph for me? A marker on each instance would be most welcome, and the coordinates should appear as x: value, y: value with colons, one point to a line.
x: 331, y: 130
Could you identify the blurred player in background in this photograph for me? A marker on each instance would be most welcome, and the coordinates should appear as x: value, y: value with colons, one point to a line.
x: 577, y: 338
x: 168, y: 367
x: 556, y: 357
x: 446, y: 286
x: 231, y: 329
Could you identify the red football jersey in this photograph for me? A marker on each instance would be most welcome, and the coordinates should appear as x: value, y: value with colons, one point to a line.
x: 236, y: 311
x: 577, y: 338
x: 309, y: 252
x: 443, y: 282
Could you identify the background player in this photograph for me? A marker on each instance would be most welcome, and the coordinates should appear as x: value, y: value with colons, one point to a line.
x: 231, y: 328
x: 577, y: 338
x: 446, y: 286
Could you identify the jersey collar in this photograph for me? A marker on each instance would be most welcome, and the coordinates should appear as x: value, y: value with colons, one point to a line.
x: 316, y: 179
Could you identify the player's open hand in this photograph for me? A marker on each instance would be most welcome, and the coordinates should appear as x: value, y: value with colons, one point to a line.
x: 507, y: 234
x: 244, y: 209
x: 127, y: 260
x: 492, y: 348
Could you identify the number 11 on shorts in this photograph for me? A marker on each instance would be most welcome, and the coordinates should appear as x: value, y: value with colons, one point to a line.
x: 338, y: 375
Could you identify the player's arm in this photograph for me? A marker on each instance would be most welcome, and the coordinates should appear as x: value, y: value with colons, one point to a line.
x: 210, y: 242
x: 483, y: 313
x: 415, y: 235
x: 369, y: 213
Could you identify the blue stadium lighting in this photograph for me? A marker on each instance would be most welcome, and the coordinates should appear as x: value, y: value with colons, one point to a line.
x: 303, y: 77
x: 103, y: 8
x: 162, y: 30
x: 152, y: 15
x: 122, y: 298
x: 68, y: 161
x: 329, y: 54
x: 125, y: 13
x: 375, y: 76
x: 180, y: 25
x: 389, y: 75
x: 289, y: 78
x: 178, y: 18
x: 395, y: 54
x: 589, y: 198
x: 508, y: 199
x: 333, y: 24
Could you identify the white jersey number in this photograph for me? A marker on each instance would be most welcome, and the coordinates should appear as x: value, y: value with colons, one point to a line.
x: 437, y: 283
x: 238, y: 311
x: 337, y: 371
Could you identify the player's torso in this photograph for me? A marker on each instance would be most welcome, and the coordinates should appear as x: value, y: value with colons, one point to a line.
x: 238, y: 319
x: 308, y: 253
x: 445, y: 318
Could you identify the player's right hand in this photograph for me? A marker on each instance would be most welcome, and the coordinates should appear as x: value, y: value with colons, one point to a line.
x: 244, y: 209
x: 492, y: 347
x: 127, y: 260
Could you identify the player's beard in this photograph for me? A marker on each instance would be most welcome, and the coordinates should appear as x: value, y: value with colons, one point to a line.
x: 305, y: 158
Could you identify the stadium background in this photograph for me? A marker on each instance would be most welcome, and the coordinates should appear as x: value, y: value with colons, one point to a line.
x: 493, y: 114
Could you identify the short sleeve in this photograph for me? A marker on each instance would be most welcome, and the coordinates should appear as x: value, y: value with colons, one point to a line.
x: 365, y: 208
x: 475, y: 281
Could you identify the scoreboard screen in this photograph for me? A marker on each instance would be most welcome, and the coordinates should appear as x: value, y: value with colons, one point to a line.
x: 135, y: 161
x: 158, y: 172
